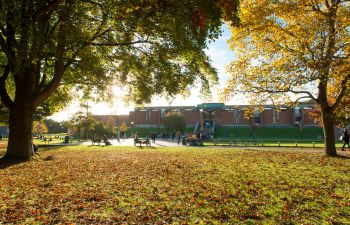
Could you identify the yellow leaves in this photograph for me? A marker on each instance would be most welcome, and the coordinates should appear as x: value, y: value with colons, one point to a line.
x: 123, y: 127
x: 132, y: 9
x: 288, y: 40
x: 136, y: 203
x: 173, y: 186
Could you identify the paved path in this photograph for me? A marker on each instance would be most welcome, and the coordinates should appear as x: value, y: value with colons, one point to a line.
x: 130, y: 142
x: 173, y: 143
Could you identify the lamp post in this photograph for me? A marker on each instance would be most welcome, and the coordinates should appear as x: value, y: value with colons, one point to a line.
x: 132, y: 125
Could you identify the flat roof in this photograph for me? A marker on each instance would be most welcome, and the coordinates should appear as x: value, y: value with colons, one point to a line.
x: 218, y: 106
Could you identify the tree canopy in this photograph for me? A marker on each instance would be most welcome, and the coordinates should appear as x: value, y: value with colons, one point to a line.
x: 141, y: 43
x: 60, y: 46
x: 300, y: 47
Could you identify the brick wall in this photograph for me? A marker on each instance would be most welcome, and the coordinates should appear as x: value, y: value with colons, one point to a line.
x: 286, y: 117
x: 224, y: 117
x: 138, y: 117
x: 243, y: 120
x: 267, y: 117
x: 191, y: 117
x: 155, y: 117
x: 123, y: 119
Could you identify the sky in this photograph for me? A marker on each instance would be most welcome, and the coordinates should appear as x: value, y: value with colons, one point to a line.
x: 220, y: 55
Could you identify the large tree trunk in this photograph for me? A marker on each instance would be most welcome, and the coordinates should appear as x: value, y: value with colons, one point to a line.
x: 20, y: 145
x: 328, y: 129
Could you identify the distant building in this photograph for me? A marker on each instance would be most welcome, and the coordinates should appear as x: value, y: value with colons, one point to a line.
x: 217, y: 114
x: 224, y: 115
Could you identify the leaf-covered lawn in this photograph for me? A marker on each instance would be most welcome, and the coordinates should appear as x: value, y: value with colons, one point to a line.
x: 101, y: 185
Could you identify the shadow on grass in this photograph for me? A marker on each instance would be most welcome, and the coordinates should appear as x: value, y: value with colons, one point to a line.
x: 161, y: 145
x: 98, y: 145
x: 345, y: 157
x: 49, y: 148
x: 5, y: 163
x: 146, y: 147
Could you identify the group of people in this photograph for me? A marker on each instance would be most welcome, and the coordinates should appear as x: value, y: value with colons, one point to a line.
x: 151, y: 136
x: 98, y: 140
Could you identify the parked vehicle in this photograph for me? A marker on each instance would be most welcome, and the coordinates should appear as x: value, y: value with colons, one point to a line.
x: 192, y: 140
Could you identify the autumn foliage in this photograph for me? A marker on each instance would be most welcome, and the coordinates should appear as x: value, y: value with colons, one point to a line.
x: 290, y: 51
x: 109, y: 185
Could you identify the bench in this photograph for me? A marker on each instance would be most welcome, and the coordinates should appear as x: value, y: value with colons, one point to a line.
x: 96, y: 140
x: 142, y: 141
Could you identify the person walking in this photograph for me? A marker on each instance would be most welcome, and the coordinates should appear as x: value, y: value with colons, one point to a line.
x: 178, y: 137
x: 345, y: 139
x: 153, y: 137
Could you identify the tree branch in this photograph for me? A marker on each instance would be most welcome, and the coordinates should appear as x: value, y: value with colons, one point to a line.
x: 303, y: 97
x: 304, y: 92
x: 43, y: 11
x: 5, y: 98
x: 316, y: 8
x: 42, y: 95
x: 123, y: 44
x: 97, y: 34
x: 343, y: 91
x: 5, y: 48
x: 2, y: 29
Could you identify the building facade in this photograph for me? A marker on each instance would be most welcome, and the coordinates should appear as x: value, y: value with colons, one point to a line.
x: 224, y: 115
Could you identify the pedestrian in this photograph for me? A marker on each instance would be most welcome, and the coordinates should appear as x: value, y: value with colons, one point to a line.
x: 118, y: 135
x: 345, y: 139
x: 178, y: 137
x: 153, y: 136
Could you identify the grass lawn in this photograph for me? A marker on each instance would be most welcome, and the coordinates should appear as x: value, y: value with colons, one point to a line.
x: 269, y: 143
x: 101, y: 185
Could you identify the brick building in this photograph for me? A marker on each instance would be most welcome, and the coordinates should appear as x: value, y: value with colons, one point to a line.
x: 223, y: 115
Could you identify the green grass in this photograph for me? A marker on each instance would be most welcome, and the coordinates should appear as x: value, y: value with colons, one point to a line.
x: 130, y: 185
x: 268, y: 143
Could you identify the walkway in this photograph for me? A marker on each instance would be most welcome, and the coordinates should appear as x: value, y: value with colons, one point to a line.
x: 130, y: 142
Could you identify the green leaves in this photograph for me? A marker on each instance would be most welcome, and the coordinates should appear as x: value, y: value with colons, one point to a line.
x: 150, y: 46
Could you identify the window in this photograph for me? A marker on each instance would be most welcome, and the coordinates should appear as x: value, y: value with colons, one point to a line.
x: 257, y: 117
x: 162, y: 113
x: 297, y: 113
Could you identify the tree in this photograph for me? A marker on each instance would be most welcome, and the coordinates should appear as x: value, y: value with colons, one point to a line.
x: 40, y: 128
x: 175, y: 122
x: 342, y: 114
x: 55, y: 127
x: 151, y: 46
x: 81, y: 123
x: 100, y: 129
x: 123, y: 127
x: 289, y: 50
